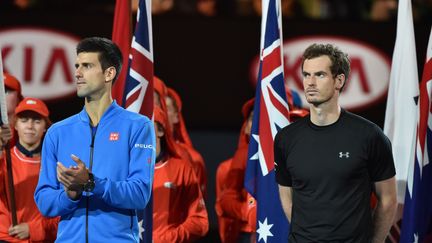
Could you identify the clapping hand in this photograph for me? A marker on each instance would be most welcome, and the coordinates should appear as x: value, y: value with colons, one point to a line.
x: 73, y: 178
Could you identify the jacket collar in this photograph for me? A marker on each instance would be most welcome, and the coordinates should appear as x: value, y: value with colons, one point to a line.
x: 112, y: 110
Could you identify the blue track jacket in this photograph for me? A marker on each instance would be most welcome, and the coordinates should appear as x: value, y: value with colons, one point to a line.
x: 123, y: 168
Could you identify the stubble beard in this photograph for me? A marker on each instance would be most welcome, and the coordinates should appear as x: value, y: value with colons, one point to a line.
x: 317, y: 101
x: 82, y: 93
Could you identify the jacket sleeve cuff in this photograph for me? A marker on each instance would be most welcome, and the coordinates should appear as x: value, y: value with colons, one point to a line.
x: 100, y: 185
x: 68, y: 203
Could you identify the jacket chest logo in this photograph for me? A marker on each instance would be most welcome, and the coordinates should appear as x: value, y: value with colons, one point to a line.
x: 114, y: 136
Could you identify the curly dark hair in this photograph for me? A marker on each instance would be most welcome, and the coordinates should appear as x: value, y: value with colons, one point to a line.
x: 340, y: 61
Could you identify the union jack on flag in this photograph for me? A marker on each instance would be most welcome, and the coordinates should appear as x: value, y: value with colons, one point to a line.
x: 138, y: 90
x: 417, y: 215
x: 271, y: 114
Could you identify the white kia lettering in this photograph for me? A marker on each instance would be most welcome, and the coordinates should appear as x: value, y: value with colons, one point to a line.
x: 43, y: 60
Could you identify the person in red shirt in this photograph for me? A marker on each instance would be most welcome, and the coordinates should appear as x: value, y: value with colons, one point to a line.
x: 31, y: 124
x: 229, y: 228
x: 179, y: 212
x: 236, y: 209
x: 159, y: 94
x: 181, y: 136
x: 13, y: 97
x: 185, y: 152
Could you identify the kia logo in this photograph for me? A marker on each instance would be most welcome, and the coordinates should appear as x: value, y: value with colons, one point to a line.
x: 43, y: 60
x: 368, y: 80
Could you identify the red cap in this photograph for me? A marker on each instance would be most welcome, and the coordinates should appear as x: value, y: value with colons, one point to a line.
x: 12, y: 83
x: 160, y: 116
x: 32, y: 104
x: 247, y: 108
x: 176, y: 97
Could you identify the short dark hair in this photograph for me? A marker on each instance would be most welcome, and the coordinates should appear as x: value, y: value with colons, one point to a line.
x: 109, y: 53
x: 340, y: 61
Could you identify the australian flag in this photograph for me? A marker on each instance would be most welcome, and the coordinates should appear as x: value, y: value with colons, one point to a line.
x: 271, y: 114
x: 135, y: 91
x: 417, y: 215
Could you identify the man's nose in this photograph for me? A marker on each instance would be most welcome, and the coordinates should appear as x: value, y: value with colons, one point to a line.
x: 78, y: 72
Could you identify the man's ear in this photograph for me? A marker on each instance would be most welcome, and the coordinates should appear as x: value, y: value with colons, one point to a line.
x: 110, y: 73
x: 340, y: 81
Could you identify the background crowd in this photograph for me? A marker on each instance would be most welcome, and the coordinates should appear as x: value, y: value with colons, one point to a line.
x: 373, y: 10
x: 365, y: 10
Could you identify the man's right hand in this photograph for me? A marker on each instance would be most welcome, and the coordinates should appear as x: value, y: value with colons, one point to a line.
x: 5, y: 134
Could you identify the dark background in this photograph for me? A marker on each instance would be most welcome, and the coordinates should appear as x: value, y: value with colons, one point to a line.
x: 207, y: 60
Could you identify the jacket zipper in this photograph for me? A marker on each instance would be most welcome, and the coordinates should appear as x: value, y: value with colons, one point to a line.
x: 93, y: 132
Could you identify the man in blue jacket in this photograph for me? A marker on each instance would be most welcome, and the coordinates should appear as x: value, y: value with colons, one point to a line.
x: 97, y: 165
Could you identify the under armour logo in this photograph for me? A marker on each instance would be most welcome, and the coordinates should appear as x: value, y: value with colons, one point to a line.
x: 343, y: 155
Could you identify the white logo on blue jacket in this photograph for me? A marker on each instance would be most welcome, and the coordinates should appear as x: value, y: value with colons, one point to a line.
x: 144, y: 146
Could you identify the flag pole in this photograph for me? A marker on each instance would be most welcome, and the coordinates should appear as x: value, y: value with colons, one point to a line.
x: 3, y: 107
x: 4, y: 121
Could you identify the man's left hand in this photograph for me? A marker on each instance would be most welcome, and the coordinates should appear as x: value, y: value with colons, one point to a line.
x: 74, y: 177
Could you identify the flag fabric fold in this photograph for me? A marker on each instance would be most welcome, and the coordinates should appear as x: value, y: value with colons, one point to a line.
x: 134, y: 88
x: 270, y: 115
x: 401, y: 111
x: 138, y: 88
x: 417, y: 214
x: 121, y: 35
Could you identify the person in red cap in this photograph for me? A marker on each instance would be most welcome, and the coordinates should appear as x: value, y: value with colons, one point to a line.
x: 32, y: 121
x: 160, y: 100
x: 235, y: 208
x: 181, y: 136
x: 159, y: 94
x: 179, y: 212
x: 13, y: 97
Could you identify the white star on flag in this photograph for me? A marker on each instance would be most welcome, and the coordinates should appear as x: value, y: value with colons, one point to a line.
x: 255, y: 156
x: 140, y: 228
x: 260, y: 156
x: 264, y: 230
